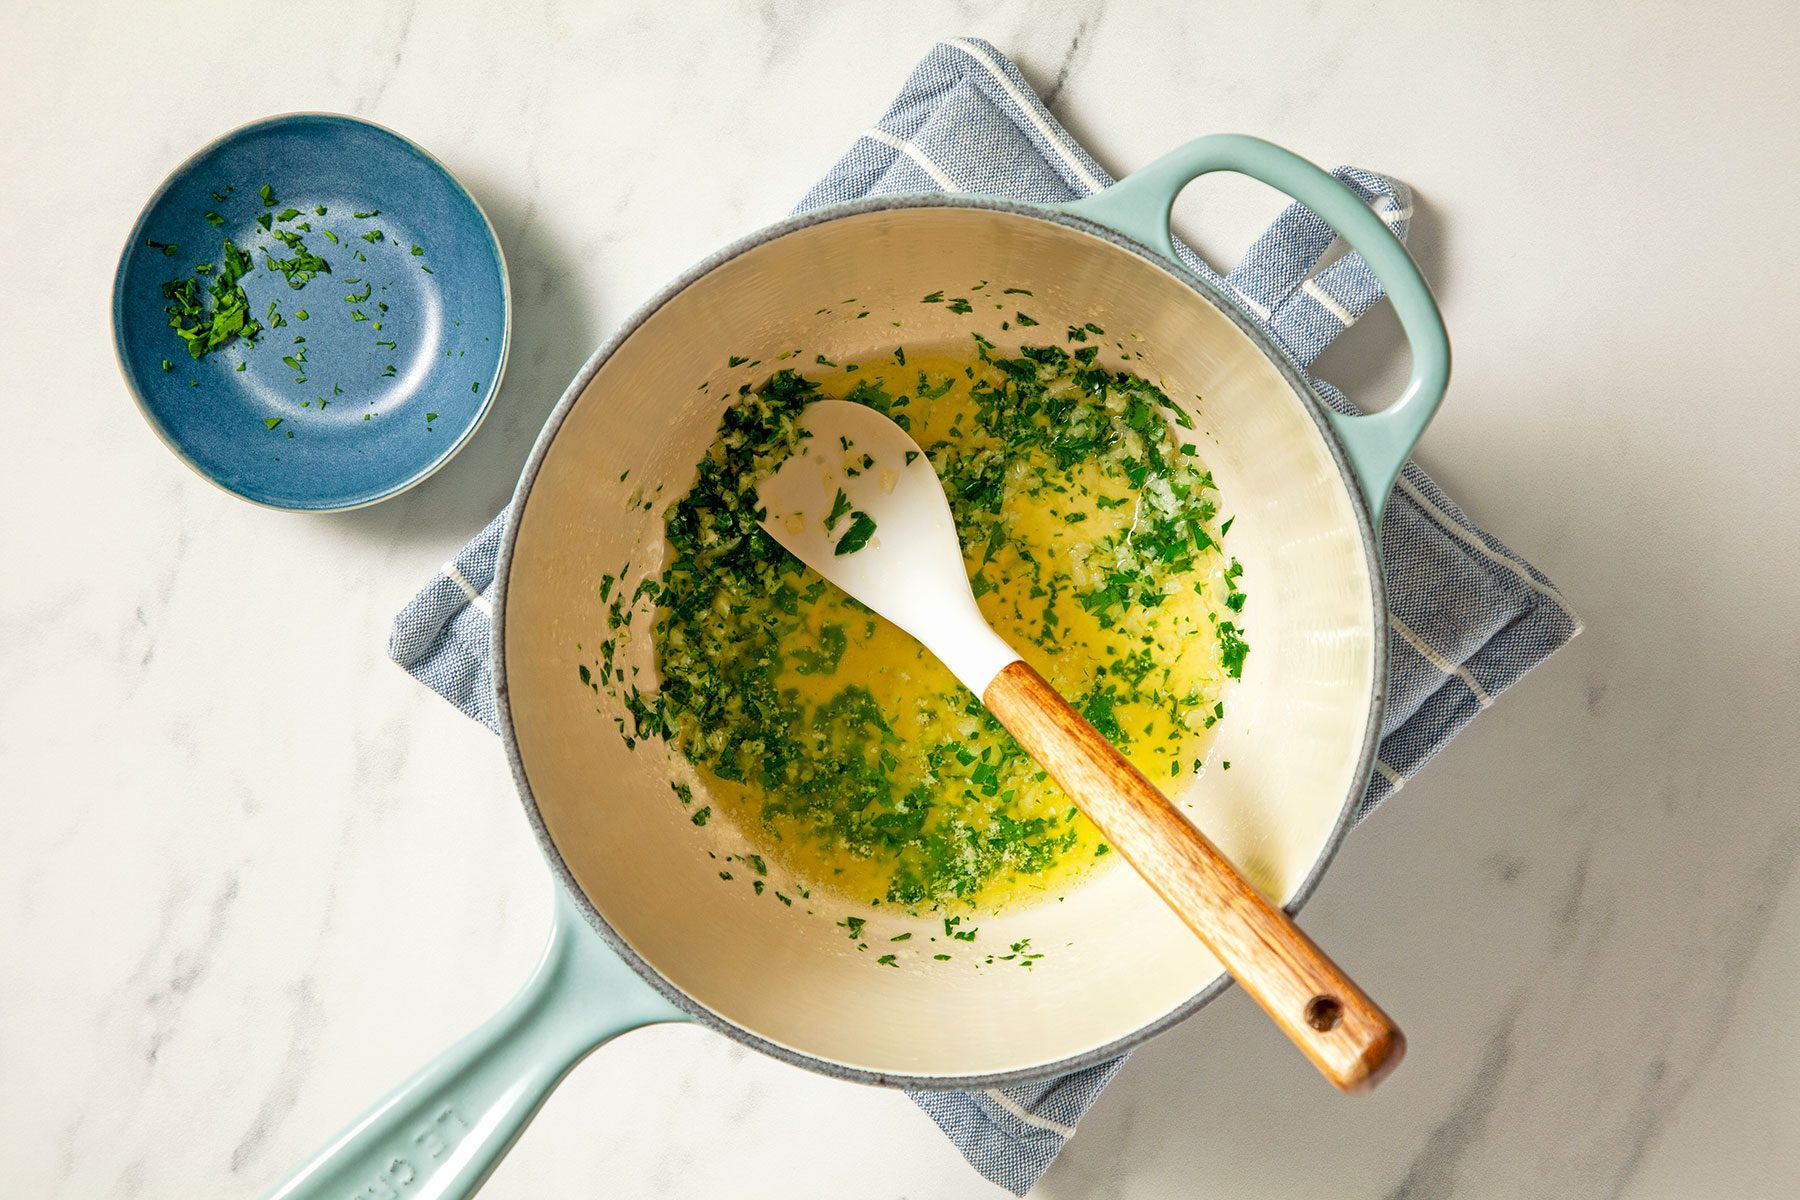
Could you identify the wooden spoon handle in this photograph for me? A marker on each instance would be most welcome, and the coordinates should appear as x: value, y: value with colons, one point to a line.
x: 1352, y: 1042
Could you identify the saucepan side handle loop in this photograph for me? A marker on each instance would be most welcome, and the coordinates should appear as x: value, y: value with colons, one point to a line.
x: 1377, y: 445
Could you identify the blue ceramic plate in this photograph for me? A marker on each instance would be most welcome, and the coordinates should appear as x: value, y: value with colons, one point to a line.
x: 366, y: 377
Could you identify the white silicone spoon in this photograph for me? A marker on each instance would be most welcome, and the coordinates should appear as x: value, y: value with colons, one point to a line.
x: 859, y: 502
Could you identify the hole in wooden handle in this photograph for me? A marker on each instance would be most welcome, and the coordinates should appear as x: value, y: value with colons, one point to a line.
x: 1324, y: 1013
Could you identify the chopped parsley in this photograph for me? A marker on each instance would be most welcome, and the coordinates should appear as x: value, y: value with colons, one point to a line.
x: 1092, y: 542
x: 862, y: 528
x: 840, y: 505
x: 1232, y: 649
x: 301, y: 266
x: 207, y: 326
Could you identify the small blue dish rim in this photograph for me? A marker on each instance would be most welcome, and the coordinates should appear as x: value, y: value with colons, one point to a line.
x: 135, y: 238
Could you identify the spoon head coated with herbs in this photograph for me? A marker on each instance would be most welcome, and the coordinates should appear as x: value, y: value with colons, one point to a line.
x: 860, y: 503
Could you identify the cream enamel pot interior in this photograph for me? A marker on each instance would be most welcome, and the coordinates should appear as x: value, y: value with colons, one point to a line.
x: 1119, y: 966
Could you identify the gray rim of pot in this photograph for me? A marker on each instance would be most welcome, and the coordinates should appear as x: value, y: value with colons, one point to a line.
x: 1303, y: 390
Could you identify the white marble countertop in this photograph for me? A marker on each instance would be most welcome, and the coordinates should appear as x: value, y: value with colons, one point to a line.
x: 251, y: 873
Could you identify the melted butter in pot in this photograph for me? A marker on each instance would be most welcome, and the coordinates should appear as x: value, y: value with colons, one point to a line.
x: 1094, y: 541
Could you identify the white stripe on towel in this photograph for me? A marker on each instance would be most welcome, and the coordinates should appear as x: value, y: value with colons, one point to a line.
x: 476, y: 598
x: 1439, y: 661
x: 1395, y: 779
x: 1323, y: 299
x: 1029, y: 108
x: 1030, y: 1118
x: 1260, y: 310
x: 1474, y: 543
x: 913, y: 152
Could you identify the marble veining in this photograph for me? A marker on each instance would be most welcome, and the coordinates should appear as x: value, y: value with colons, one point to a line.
x: 251, y: 875
x: 304, y: 1015
x: 1435, y: 1172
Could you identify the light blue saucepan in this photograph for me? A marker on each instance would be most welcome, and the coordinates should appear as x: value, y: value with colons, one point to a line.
x: 645, y: 931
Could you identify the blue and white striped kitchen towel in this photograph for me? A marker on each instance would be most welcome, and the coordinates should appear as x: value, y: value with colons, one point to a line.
x: 1469, y: 616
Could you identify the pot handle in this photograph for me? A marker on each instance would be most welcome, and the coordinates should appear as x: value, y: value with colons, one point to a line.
x: 442, y: 1132
x: 1377, y: 445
